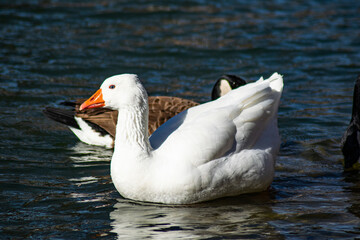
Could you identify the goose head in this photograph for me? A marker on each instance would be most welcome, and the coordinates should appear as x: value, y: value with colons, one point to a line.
x: 225, y: 84
x: 118, y: 91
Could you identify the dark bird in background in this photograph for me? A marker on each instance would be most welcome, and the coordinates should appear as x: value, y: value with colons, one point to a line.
x: 350, y: 142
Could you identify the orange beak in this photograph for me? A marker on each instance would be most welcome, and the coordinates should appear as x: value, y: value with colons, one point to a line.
x: 95, y: 101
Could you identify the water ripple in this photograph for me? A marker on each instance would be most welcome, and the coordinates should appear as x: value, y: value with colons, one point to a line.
x: 51, y: 51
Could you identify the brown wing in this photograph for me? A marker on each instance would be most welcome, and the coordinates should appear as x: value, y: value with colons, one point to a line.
x: 103, y: 117
x: 161, y: 109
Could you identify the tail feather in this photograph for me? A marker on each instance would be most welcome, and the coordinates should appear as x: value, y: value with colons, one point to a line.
x: 276, y: 82
x: 258, y: 113
x: 62, y: 116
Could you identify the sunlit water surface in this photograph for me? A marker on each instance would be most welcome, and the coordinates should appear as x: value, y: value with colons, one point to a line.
x: 53, y: 187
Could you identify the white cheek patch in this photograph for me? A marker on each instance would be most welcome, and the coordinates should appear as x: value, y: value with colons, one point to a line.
x: 224, y: 87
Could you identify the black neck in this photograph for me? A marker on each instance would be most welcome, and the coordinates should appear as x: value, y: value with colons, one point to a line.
x: 356, y: 102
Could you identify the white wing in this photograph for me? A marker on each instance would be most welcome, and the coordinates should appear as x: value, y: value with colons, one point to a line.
x: 237, y: 121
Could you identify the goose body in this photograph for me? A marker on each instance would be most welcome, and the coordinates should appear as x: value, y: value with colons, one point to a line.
x: 221, y: 148
x: 350, y: 142
x: 97, y: 126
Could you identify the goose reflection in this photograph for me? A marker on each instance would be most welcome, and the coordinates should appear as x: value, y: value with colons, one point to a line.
x: 236, y: 217
x: 90, y: 174
x: 83, y: 153
x: 353, y: 179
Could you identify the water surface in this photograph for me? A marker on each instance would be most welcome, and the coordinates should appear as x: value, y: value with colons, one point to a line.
x: 53, y: 186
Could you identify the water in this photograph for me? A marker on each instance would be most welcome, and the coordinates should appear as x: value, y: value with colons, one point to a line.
x: 53, y: 187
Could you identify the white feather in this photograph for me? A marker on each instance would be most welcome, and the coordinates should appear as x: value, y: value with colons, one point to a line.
x: 88, y: 135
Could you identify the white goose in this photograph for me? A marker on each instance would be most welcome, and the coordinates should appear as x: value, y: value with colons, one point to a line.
x: 221, y: 148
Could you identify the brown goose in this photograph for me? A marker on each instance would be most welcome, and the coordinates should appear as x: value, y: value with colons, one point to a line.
x: 97, y: 126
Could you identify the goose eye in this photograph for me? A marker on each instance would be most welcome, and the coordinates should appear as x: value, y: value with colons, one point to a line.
x: 112, y: 86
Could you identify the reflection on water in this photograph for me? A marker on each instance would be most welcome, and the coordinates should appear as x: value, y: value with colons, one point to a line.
x: 353, y: 190
x: 240, y: 217
x: 83, y: 153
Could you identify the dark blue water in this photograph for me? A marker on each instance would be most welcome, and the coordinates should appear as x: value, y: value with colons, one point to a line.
x: 54, y: 187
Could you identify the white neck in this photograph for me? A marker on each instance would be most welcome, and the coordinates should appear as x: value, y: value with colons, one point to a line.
x: 132, y: 137
x: 132, y: 149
